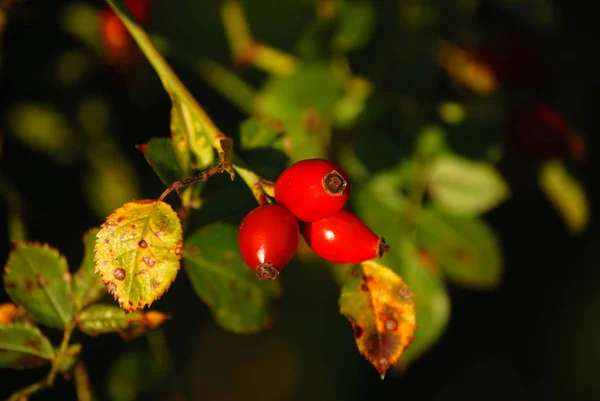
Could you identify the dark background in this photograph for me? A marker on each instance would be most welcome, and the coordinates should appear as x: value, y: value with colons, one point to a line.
x: 535, y: 337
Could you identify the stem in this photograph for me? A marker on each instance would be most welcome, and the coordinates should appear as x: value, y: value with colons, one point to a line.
x: 203, y: 176
x: 25, y: 392
x: 61, y: 353
x: 82, y: 382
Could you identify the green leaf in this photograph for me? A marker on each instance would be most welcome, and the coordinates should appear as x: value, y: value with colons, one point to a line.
x: 238, y: 300
x: 132, y: 374
x: 138, y: 251
x: 463, y: 186
x: 255, y: 133
x: 433, y: 304
x: 566, y: 194
x: 37, y: 277
x: 357, y: 23
x: 304, y: 102
x: 381, y: 309
x: 87, y: 287
x: 191, y: 129
x: 103, y: 319
x: 23, y: 346
x: 159, y: 155
x: 70, y: 358
x: 464, y: 248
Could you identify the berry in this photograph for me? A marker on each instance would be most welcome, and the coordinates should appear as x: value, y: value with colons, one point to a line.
x: 268, y: 238
x: 344, y: 238
x: 313, y: 189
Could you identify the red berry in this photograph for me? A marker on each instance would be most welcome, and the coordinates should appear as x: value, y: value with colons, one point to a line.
x: 268, y: 238
x: 344, y: 238
x: 313, y: 189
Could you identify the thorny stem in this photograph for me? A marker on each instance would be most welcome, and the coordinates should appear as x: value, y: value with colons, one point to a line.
x: 203, y: 176
x: 82, y: 382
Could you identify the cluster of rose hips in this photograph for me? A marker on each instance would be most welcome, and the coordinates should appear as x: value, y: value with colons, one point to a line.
x: 315, y: 192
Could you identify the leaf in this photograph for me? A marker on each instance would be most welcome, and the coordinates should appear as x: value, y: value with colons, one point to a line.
x: 70, y: 358
x: 87, y: 287
x: 464, y: 248
x: 433, y: 304
x: 138, y: 251
x: 23, y: 346
x: 238, y: 301
x: 463, y: 186
x: 159, y: 155
x: 357, y: 23
x: 381, y: 309
x: 103, y: 319
x: 10, y: 313
x: 132, y: 374
x: 255, y: 133
x: 36, y: 277
x: 191, y: 128
x: 566, y: 194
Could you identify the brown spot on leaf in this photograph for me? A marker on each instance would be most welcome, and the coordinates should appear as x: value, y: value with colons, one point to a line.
x: 133, y: 226
x: 370, y: 279
x: 364, y: 287
x: 155, y: 284
x: 119, y: 274
x: 355, y: 273
x: 390, y: 325
x: 28, y: 285
x: 10, y: 286
x: 178, y: 249
x: 143, y: 271
x: 120, y: 219
x: 358, y: 331
x: 106, y: 241
x: 42, y: 281
x: 148, y: 261
x: 143, y: 244
x: 111, y: 287
x: 405, y: 293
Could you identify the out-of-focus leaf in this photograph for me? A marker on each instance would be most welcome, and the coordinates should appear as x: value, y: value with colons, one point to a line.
x: 111, y: 179
x: 255, y: 133
x: 228, y: 84
x: 23, y: 346
x: 37, y: 277
x: 356, y: 25
x: 87, y: 288
x: 102, y: 319
x: 463, y: 186
x: 44, y: 129
x: 304, y: 102
x: 70, y: 358
x: 132, y: 374
x: 347, y: 109
x: 433, y: 304
x: 138, y: 251
x: 566, y: 194
x: 81, y: 21
x: 191, y: 129
x: 464, y: 248
x: 239, y: 302
x: 381, y: 309
x: 159, y: 155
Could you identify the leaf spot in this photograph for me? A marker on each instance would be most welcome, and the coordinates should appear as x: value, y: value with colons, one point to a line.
x: 120, y: 219
x: 364, y: 287
x: 358, y: 331
x: 143, y: 244
x: 111, y: 287
x: 391, y: 325
x: 119, y: 274
x: 148, y: 261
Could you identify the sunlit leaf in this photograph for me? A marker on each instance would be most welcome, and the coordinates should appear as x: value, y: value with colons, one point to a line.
x: 566, y: 194
x: 238, y: 301
x: 464, y: 248
x: 464, y: 186
x: 191, y: 129
x: 103, y: 319
x: 23, y: 346
x: 133, y: 373
x: 138, y: 251
x: 159, y: 154
x: 356, y: 26
x: 381, y: 309
x: 37, y: 277
x: 87, y: 287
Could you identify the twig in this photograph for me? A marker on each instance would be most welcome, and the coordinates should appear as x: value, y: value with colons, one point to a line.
x: 203, y: 176
x: 82, y: 382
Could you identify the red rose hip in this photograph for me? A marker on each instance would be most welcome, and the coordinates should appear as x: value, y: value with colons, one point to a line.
x: 313, y: 189
x: 268, y: 238
x: 344, y: 238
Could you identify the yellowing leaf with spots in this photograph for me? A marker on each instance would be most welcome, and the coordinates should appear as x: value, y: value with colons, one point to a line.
x: 381, y: 309
x: 138, y: 251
